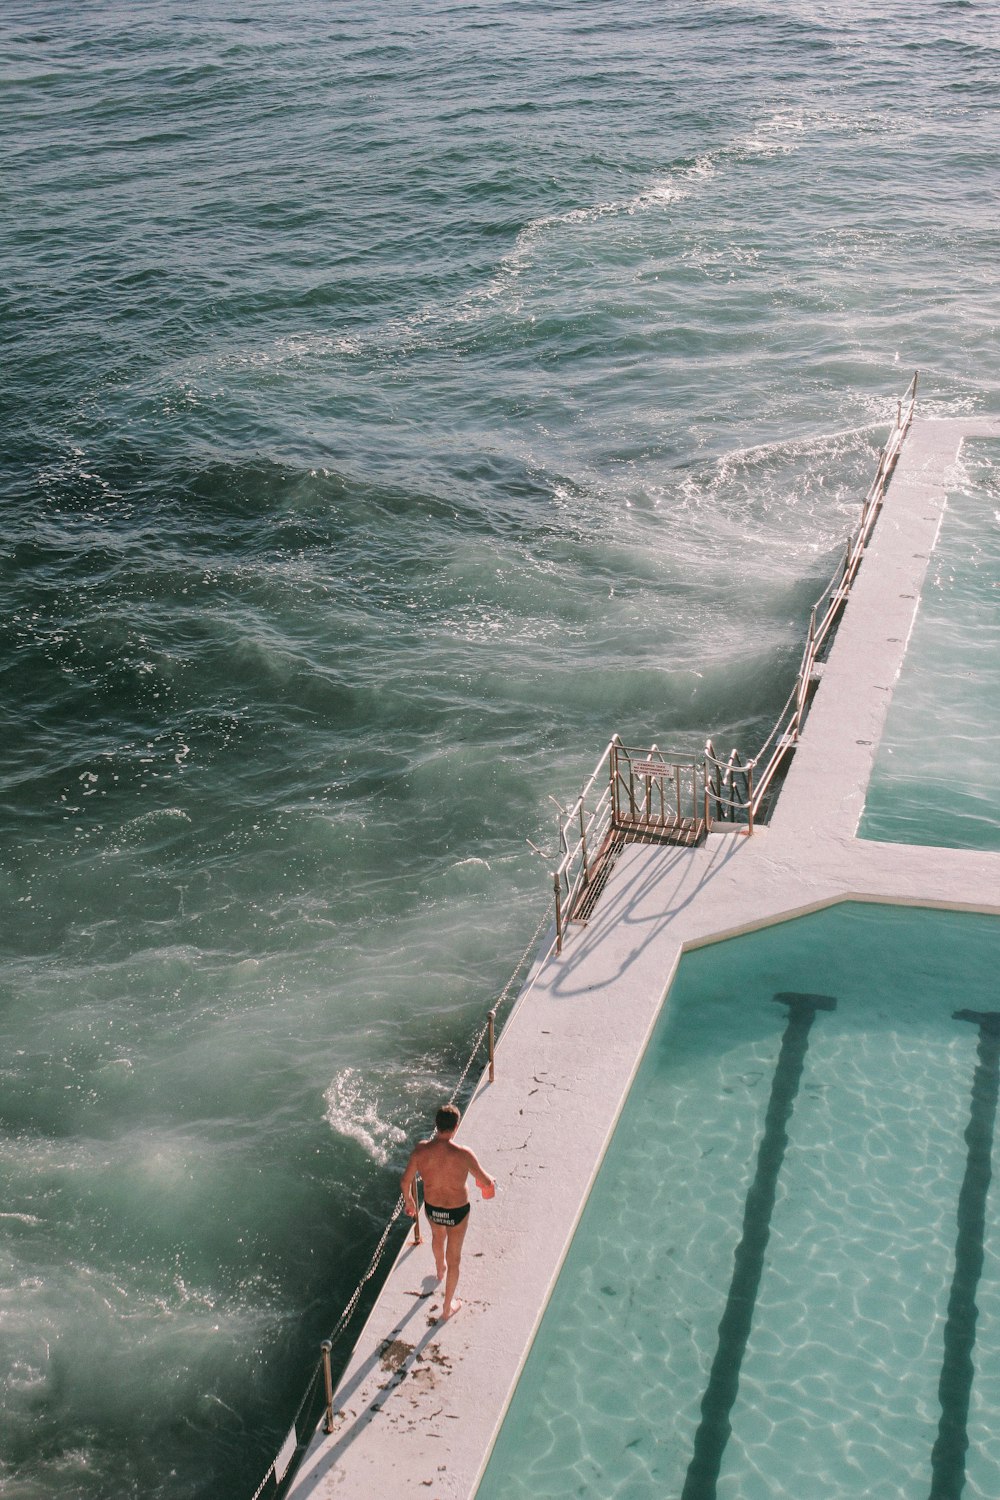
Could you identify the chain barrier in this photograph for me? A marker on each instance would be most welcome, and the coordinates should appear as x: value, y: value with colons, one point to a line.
x: 281, y: 1464
x: 282, y: 1467
x: 501, y: 999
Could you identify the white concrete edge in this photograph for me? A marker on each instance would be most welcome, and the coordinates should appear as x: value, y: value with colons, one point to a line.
x: 572, y: 1228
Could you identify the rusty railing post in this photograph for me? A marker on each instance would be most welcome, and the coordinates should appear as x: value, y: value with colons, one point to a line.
x: 326, y: 1346
x: 557, y: 886
x: 492, y: 1033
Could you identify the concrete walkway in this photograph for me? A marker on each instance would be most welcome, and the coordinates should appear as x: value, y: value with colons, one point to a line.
x: 420, y: 1403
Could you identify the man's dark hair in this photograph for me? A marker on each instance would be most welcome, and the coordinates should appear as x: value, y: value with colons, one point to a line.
x: 447, y: 1118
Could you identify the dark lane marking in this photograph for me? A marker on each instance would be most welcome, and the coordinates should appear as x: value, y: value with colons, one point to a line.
x: 748, y: 1262
x: 955, y: 1385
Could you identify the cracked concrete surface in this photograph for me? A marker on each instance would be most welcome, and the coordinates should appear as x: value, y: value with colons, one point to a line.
x: 420, y: 1402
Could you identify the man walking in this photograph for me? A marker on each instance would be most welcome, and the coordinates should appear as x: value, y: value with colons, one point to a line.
x: 445, y: 1169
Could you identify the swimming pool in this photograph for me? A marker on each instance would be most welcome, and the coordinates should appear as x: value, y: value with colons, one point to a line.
x: 769, y: 1293
x: 936, y: 778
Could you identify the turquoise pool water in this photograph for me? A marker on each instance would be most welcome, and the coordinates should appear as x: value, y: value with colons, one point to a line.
x: 936, y: 778
x: 789, y: 1262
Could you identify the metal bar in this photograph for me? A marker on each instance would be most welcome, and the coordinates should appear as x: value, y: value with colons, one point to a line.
x: 770, y: 771
x: 492, y: 1033
x: 559, y: 926
x: 596, y: 772
x: 654, y: 750
x: 326, y: 1346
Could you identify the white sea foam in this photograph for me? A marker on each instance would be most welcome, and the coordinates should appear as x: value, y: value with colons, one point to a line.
x: 775, y: 134
x: 350, y: 505
x: 352, y: 1110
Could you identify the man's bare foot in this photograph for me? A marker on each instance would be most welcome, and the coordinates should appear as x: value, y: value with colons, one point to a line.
x: 449, y: 1312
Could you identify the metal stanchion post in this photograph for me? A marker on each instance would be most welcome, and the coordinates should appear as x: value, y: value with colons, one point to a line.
x: 492, y: 1037
x: 326, y: 1346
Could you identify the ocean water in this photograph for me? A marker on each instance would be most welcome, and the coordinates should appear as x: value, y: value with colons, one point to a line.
x: 398, y: 401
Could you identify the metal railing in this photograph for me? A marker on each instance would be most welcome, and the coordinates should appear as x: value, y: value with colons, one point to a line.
x: 582, y: 835
x: 653, y: 791
x: 730, y: 787
x: 648, y: 791
x: 317, y: 1401
x: 764, y: 769
x: 630, y: 793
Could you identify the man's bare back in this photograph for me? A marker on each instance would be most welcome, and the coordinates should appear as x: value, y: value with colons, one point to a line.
x: 445, y: 1169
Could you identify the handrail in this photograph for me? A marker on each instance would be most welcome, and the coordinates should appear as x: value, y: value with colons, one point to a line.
x: 580, y: 833
x: 726, y: 774
x: 317, y: 1403
x: 785, y: 734
x: 737, y: 790
x: 587, y: 824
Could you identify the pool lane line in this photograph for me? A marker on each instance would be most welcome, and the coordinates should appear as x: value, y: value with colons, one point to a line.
x: 748, y: 1260
x: 957, y: 1370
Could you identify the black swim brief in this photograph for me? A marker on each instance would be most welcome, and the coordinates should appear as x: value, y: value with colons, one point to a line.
x: 448, y: 1218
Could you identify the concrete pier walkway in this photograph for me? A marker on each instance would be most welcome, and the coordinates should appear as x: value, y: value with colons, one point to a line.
x: 420, y: 1403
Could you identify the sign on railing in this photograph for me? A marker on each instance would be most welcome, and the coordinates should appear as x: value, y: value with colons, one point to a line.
x: 631, y: 794
x: 663, y: 796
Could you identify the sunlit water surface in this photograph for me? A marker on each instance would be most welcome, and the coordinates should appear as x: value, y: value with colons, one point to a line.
x: 398, y: 401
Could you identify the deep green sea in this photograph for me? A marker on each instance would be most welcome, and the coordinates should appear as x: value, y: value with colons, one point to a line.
x: 398, y: 400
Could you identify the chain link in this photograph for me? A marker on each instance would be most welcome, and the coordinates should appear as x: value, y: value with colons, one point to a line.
x: 342, y: 1323
x: 260, y: 1488
x: 472, y: 1057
